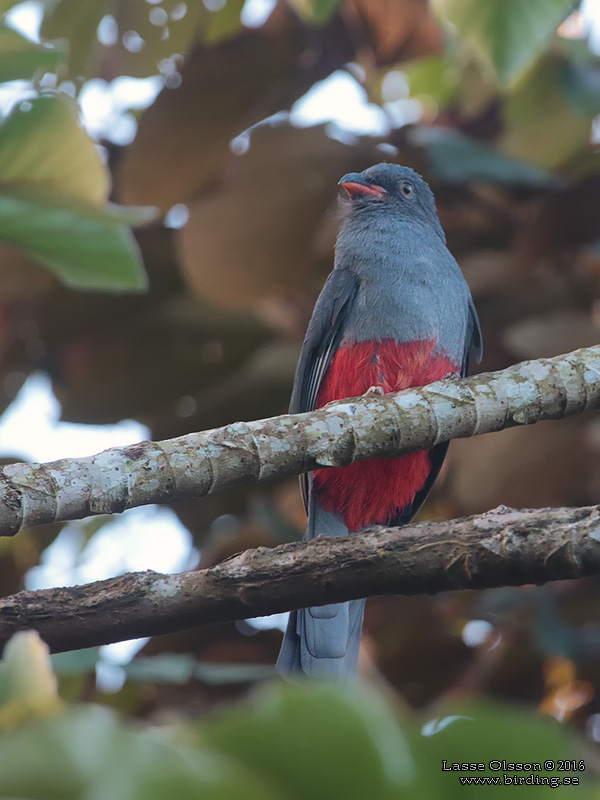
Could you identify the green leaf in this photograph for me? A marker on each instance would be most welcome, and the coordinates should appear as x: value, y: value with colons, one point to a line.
x: 484, y: 733
x: 457, y: 158
x: 539, y: 105
x: 6, y: 5
x: 85, y: 246
x: 27, y: 684
x: 319, y: 742
x: 581, y: 86
x: 42, y: 142
x: 225, y: 22
x: 87, y: 752
x: 432, y: 77
x: 75, y: 662
x: 316, y: 11
x: 53, y: 190
x: 174, y: 31
x: 21, y: 58
x: 77, y: 23
x: 509, y: 34
x: 323, y: 10
x: 55, y: 758
x: 132, y: 215
x: 577, y: 50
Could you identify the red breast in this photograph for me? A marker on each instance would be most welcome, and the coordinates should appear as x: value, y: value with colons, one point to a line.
x: 375, y: 491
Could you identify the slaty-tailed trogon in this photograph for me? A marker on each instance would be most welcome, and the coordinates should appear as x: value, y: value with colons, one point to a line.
x: 395, y: 312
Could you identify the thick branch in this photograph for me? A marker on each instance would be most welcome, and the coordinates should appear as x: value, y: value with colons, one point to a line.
x: 199, y: 463
x: 501, y: 548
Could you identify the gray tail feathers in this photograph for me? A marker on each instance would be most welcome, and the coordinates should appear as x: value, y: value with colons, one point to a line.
x: 323, y: 642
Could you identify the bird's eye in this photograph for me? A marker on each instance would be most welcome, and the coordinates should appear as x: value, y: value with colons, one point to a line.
x: 407, y: 189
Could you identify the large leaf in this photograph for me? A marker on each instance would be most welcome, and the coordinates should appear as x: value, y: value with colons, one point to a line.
x: 76, y: 662
x: 312, y: 740
x: 174, y: 33
x: 85, y: 246
x: 510, y: 34
x: 47, y: 753
x: 5, y: 5
x: 87, y: 752
x: 145, y: 34
x: 21, y: 58
x: 43, y: 143
x: 391, y: 32
x: 272, y: 205
x: 488, y: 734
x: 223, y: 23
x: 581, y: 85
x: 320, y: 742
x: 77, y: 23
x: 28, y: 687
x: 316, y: 11
x: 432, y: 77
x: 183, y: 138
x: 545, y: 121
x: 53, y: 189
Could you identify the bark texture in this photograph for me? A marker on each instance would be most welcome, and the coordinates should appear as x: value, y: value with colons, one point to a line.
x: 503, y: 547
x: 337, y: 435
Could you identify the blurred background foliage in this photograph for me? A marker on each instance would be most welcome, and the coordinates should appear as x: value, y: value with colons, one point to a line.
x: 289, y: 741
x: 211, y: 154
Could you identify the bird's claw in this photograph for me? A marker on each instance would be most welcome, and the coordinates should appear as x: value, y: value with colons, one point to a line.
x: 374, y: 390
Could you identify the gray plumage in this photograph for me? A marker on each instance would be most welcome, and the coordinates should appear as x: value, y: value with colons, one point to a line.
x: 323, y: 641
x: 395, y: 279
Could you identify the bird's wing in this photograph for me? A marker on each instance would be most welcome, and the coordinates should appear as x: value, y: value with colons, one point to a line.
x: 322, y: 339
x: 473, y: 339
x: 473, y: 345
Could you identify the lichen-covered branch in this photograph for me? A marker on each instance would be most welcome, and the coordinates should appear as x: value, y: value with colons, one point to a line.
x: 343, y: 432
x: 503, y: 547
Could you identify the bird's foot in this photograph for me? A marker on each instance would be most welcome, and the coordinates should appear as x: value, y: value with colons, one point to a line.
x: 374, y: 390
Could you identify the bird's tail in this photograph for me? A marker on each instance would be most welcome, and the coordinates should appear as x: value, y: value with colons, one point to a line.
x: 323, y: 641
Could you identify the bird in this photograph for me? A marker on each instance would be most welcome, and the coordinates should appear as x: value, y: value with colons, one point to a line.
x: 394, y: 313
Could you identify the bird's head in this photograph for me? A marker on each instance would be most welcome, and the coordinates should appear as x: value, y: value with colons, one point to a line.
x: 392, y: 188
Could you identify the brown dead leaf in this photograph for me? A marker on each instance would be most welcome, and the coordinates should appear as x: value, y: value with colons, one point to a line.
x: 548, y: 464
x: 183, y: 137
x: 255, y: 236
x: 392, y: 30
x: 551, y: 334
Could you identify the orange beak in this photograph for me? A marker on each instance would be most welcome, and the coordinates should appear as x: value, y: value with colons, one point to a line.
x: 354, y: 189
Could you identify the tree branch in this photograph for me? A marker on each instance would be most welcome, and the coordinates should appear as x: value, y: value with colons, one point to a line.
x: 337, y: 435
x: 503, y: 547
